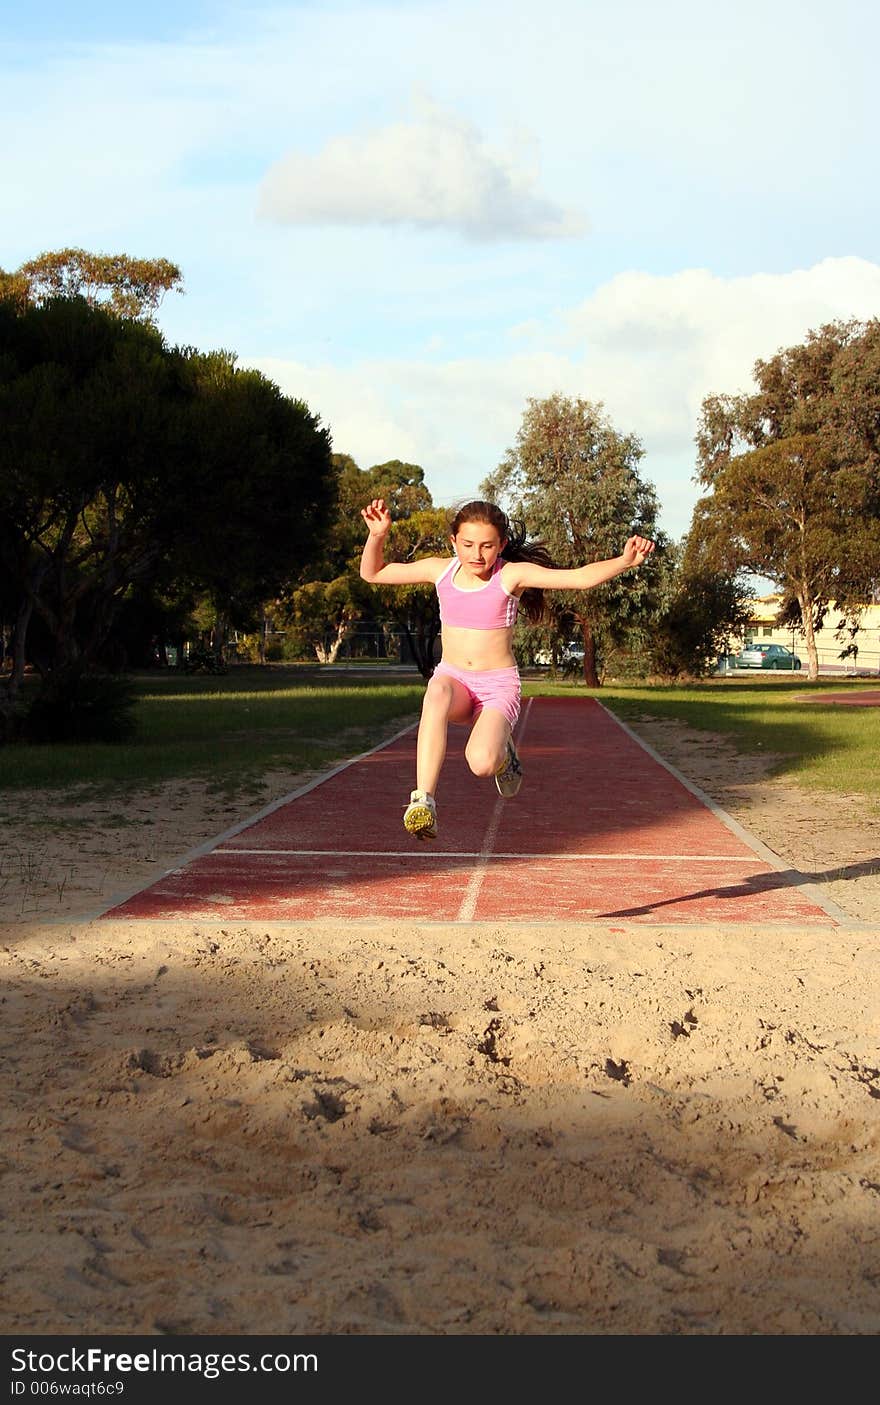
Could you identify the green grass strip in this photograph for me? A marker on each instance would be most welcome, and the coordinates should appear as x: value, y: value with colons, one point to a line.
x: 232, y: 729
x: 228, y: 730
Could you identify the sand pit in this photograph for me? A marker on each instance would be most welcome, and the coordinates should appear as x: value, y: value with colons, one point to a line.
x: 503, y: 1129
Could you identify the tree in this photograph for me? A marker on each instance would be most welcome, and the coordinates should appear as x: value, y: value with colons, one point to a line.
x: 14, y: 289
x: 91, y: 413
x: 701, y: 608
x: 332, y: 601
x: 127, y: 464
x: 414, y: 609
x: 325, y: 612
x: 574, y: 479
x: 126, y: 286
x: 793, y: 472
x: 258, y: 502
x: 402, y: 485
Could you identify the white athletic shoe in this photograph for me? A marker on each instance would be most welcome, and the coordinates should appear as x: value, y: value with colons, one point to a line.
x: 510, y: 777
x: 420, y: 815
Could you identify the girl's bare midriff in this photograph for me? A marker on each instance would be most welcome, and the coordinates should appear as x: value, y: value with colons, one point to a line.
x: 478, y: 649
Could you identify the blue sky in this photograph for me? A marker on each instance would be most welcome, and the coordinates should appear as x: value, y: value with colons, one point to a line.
x: 416, y: 215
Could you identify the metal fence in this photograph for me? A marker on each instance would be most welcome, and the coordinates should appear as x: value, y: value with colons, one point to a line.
x: 864, y: 664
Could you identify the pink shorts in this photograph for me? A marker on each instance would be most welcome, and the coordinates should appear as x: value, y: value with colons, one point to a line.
x: 489, y: 687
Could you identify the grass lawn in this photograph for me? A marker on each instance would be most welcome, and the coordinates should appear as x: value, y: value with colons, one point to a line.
x: 228, y: 729
x: 234, y: 728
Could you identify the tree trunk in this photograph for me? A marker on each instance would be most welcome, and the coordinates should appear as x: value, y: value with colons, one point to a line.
x: 421, y: 645
x: 591, y: 676
x: 19, y: 648
x: 328, y: 649
x: 806, y: 604
x: 67, y: 650
x: 218, y: 637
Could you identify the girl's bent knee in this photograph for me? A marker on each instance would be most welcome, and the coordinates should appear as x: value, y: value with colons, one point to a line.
x: 439, y: 693
x: 482, y: 763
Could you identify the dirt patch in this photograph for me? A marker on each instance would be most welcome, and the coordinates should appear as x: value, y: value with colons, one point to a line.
x: 66, y: 857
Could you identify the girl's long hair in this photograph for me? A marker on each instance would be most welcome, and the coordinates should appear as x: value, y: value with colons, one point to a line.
x: 517, y: 547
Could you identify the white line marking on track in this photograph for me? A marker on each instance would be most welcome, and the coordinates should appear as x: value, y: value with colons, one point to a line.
x: 472, y: 892
x: 426, y: 852
x: 485, y: 856
x: 208, y: 846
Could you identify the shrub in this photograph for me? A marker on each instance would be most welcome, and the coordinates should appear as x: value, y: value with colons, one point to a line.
x: 201, y: 659
x: 75, y: 706
x: 12, y: 715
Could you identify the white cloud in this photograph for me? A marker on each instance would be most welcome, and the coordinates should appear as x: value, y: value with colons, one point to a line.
x: 455, y: 418
x: 435, y: 171
x: 655, y: 346
x: 649, y: 348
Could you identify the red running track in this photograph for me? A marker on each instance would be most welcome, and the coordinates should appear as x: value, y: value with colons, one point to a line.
x: 600, y: 830
x: 864, y: 698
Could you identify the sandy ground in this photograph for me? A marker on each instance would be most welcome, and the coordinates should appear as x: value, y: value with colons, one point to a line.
x: 444, y: 1129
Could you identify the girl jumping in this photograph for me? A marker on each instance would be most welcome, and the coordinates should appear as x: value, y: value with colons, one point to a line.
x: 477, y: 683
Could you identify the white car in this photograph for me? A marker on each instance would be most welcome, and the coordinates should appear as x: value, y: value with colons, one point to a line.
x: 572, y: 652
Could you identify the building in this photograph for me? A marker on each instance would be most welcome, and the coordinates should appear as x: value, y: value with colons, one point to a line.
x: 763, y: 628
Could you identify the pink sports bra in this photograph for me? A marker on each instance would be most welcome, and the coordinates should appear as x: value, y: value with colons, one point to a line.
x: 490, y: 606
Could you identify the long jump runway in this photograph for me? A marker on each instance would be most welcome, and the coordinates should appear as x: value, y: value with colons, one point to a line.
x: 602, y: 829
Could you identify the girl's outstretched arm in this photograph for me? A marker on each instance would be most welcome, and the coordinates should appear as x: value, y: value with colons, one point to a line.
x: 373, y: 566
x: 524, y: 574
